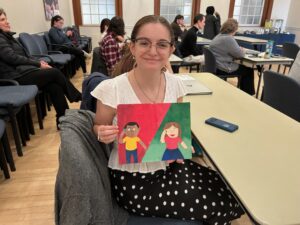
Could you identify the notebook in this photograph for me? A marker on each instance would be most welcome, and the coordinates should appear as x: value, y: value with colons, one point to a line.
x: 193, y: 86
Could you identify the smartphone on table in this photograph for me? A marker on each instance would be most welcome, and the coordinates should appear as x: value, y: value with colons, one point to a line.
x: 224, y: 125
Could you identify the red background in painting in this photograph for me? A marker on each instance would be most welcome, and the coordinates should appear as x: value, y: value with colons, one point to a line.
x: 149, y: 118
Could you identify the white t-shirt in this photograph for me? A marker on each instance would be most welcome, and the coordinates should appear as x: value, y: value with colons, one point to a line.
x: 113, y: 92
x: 295, y: 70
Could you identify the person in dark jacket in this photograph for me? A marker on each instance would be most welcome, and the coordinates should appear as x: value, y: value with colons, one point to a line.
x: 212, y: 23
x: 178, y: 28
x: 189, y: 45
x: 64, y: 44
x: 15, y: 64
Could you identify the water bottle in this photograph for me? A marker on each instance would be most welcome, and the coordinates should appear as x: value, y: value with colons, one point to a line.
x: 269, y: 48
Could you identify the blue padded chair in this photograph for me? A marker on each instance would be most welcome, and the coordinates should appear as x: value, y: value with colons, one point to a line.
x: 12, y: 100
x: 36, y: 47
x: 282, y: 93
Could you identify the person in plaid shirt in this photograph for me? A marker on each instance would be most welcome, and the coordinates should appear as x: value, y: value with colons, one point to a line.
x: 110, y: 47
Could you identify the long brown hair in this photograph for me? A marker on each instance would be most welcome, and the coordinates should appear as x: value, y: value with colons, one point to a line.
x: 152, y: 19
x: 175, y: 124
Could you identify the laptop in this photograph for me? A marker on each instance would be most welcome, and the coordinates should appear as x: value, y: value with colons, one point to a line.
x: 193, y: 86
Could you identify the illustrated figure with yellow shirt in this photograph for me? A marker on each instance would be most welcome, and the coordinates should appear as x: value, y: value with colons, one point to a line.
x: 129, y: 136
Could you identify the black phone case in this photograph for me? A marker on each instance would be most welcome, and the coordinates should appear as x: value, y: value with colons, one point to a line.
x: 230, y: 127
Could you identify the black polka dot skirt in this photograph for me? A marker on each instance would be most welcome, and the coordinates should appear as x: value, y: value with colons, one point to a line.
x: 186, y: 191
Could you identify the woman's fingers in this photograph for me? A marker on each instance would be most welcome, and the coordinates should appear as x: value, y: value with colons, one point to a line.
x: 107, y: 134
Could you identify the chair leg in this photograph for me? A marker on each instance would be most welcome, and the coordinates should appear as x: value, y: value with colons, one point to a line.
x: 21, y: 129
x: 3, y: 163
x: 39, y: 112
x: 8, y: 153
x: 29, y: 119
x: 16, y: 134
x: 278, y: 68
x: 284, y: 69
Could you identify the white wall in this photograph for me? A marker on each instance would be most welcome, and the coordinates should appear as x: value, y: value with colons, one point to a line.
x: 280, y: 10
x: 293, y: 20
x: 28, y: 15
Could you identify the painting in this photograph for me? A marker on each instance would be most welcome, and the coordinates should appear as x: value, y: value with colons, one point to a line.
x: 154, y: 132
x: 51, y: 8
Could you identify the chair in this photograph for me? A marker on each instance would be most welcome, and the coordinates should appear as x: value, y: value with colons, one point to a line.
x: 211, y: 65
x: 186, y: 64
x: 282, y: 93
x: 12, y: 100
x: 36, y: 47
x: 3, y: 163
x: 88, y: 101
x: 83, y: 178
x: 289, y: 50
x: 98, y: 63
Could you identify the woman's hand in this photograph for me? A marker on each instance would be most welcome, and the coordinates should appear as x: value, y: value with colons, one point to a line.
x: 44, y: 65
x: 107, y: 133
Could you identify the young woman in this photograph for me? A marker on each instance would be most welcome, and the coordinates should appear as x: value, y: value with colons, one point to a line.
x: 103, y: 28
x: 184, y: 191
x: 17, y: 65
x: 110, y: 47
x: 63, y: 43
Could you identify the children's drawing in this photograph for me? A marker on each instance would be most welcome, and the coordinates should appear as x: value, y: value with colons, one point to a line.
x: 154, y: 132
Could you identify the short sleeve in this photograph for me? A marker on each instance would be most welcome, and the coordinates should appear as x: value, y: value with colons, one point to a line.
x: 106, y: 93
x: 181, y: 89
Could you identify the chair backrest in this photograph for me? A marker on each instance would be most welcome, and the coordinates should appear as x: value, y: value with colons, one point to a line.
x: 282, y: 93
x: 88, y: 85
x: 210, y: 61
x: 48, y: 41
x: 39, y: 39
x: 98, y: 63
x: 177, y: 51
x: 29, y: 44
x: 290, y: 50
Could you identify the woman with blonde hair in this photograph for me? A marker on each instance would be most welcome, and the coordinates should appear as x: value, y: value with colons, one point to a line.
x: 226, y: 49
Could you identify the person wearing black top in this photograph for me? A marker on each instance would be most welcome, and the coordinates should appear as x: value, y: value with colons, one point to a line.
x: 64, y: 44
x: 212, y: 23
x: 15, y: 64
x: 178, y: 28
x: 188, y: 45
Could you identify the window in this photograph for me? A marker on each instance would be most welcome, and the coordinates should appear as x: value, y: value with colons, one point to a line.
x: 248, y: 12
x: 93, y: 11
x: 170, y: 8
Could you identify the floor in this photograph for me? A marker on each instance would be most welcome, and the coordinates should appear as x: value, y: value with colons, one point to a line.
x: 28, y: 197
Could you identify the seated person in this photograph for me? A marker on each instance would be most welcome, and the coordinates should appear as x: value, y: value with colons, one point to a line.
x: 189, y: 45
x: 110, y: 47
x: 226, y: 49
x: 295, y: 69
x: 103, y: 28
x: 212, y: 23
x: 178, y: 28
x: 57, y: 36
x: 160, y: 189
x: 15, y: 64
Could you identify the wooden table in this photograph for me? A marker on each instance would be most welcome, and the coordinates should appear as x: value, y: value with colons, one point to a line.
x: 260, y: 161
x: 253, y: 41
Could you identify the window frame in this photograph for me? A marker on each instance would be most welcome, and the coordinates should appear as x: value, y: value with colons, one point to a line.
x: 78, y: 15
x: 266, y: 14
x: 195, y: 9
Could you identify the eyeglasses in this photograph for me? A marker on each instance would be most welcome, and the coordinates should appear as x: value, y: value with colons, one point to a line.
x: 146, y: 44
